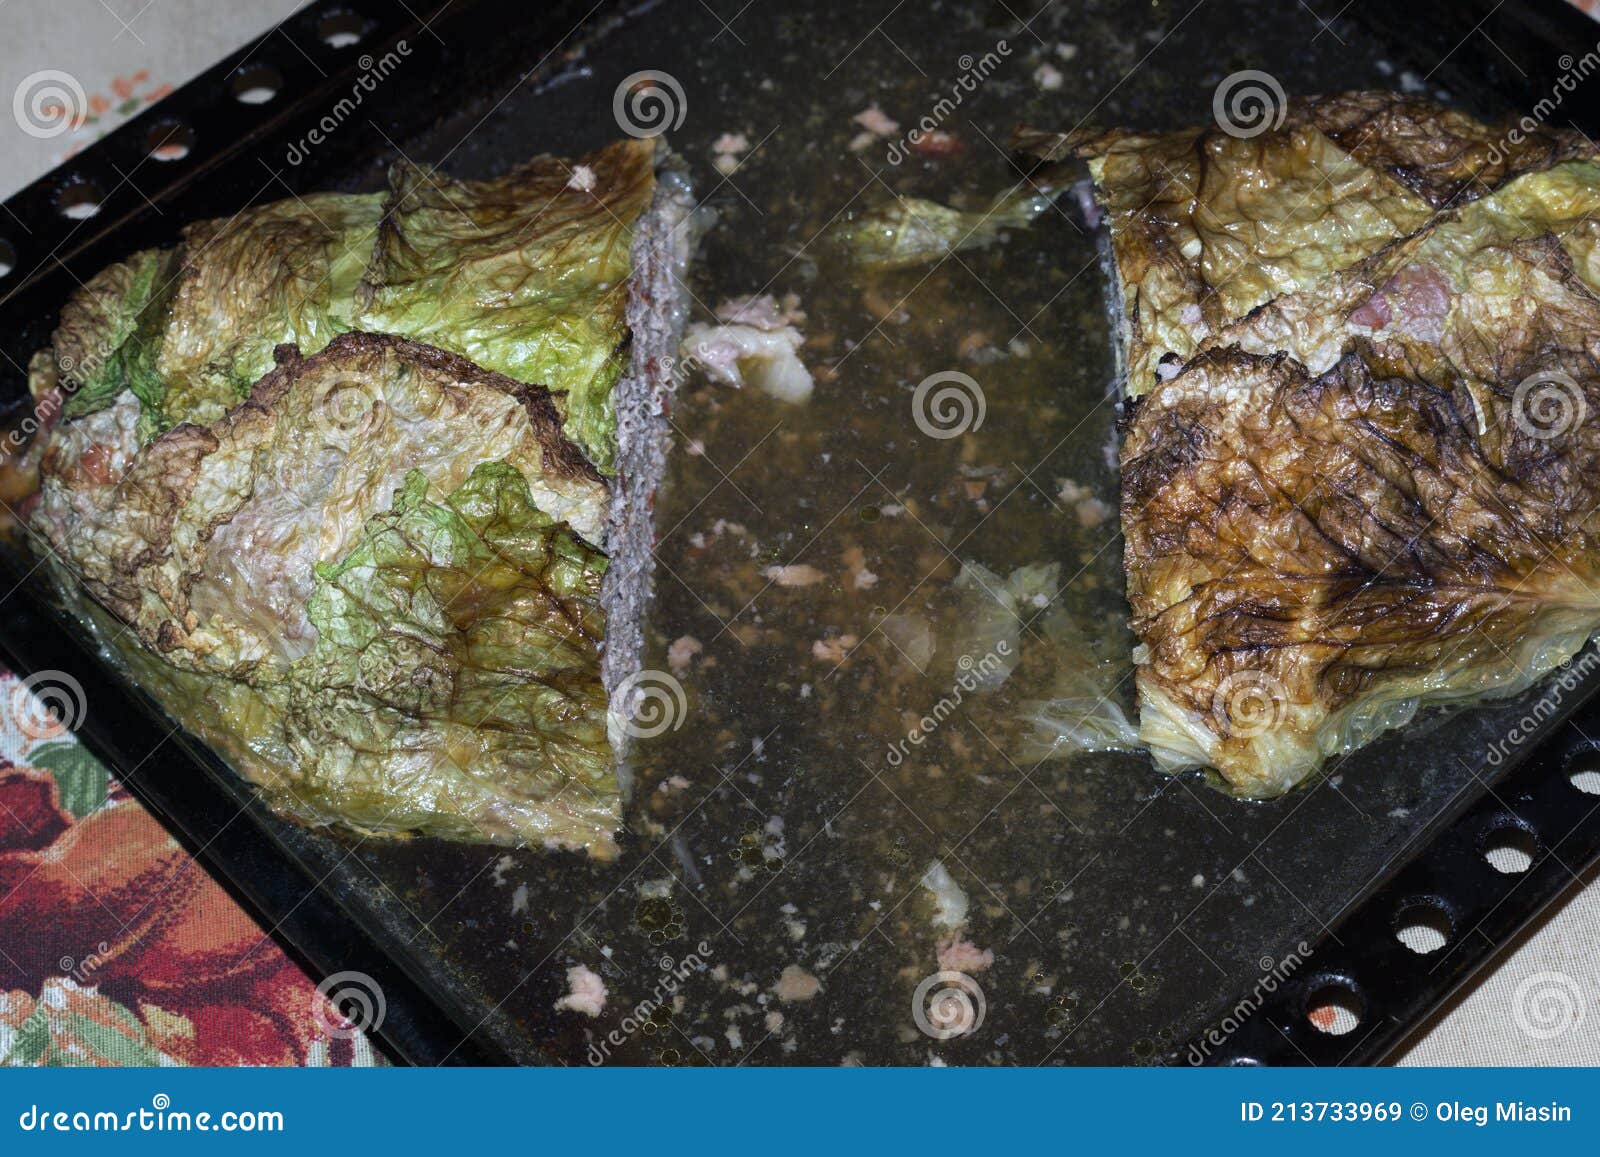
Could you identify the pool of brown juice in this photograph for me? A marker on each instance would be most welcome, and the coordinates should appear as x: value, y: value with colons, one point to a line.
x: 808, y: 673
x: 802, y: 789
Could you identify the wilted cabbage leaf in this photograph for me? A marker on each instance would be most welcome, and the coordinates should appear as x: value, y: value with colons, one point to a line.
x: 104, y: 342
x: 525, y: 274
x: 365, y: 585
x: 1310, y: 558
x: 322, y: 483
x: 1206, y: 225
x: 1359, y: 472
x: 284, y: 272
x: 1060, y: 690
x: 1313, y: 555
x: 204, y: 541
x: 995, y: 609
x: 454, y: 687
x: 1440, y: 301
x: 911, y: 231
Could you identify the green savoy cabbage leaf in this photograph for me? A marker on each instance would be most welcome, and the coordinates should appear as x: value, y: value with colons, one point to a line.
x: 284, y: 272
x: 109, y: 332
x: 454, y: 688
x: 525, y: 274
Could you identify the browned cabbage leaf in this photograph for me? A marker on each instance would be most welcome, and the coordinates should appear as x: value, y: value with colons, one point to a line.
x: 1205, y: 225
x: 1310, y: 558
x: 1359, y: 459
x: 1374, y: 495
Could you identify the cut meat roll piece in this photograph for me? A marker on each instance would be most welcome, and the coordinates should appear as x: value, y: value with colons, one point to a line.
x: 1359, y: 456
x: 360, y: 488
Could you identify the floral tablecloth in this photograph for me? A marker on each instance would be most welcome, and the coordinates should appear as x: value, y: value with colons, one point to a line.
x: 116, y: 948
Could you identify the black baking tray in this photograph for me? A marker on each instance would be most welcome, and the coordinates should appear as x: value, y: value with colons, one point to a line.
x: 1124, y: 931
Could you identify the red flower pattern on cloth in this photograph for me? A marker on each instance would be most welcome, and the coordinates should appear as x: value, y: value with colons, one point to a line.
x: 117, y: 948
x: 101, y: 113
